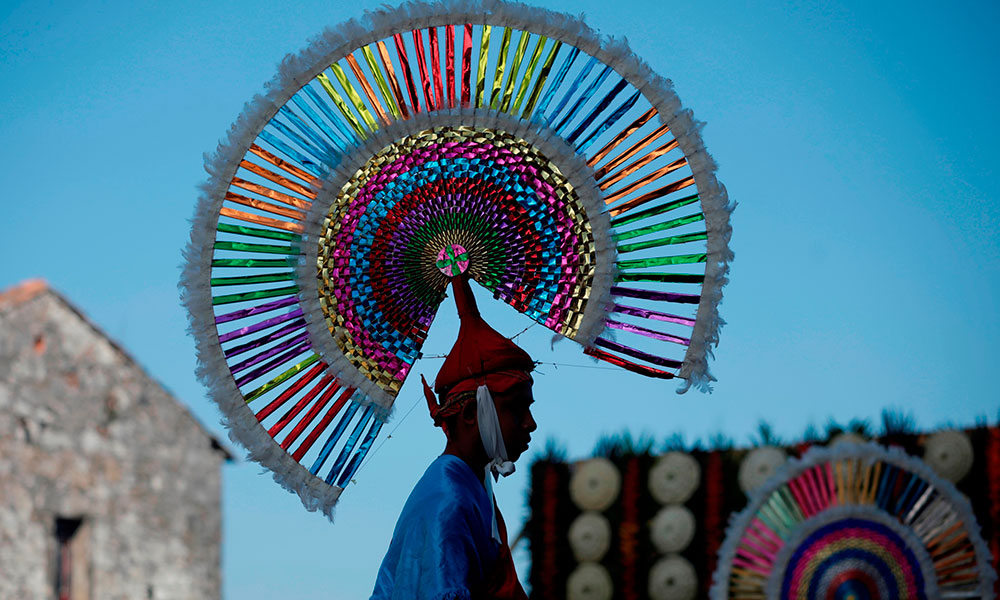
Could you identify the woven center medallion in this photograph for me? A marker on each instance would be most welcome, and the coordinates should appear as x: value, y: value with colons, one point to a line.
x: 436, y: 204
x: 453, y: 260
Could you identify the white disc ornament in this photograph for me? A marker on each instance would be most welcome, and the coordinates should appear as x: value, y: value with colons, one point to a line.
x: 950, y: 454
x: 674, y: 477
x: 589, y: 581
x: 595, y: 484
x: 590, y: 537
x: 759, y: 465
x: 672, y: 529
x: 673, y: 578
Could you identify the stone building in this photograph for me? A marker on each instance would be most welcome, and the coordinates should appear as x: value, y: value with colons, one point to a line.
x: 109, y: 488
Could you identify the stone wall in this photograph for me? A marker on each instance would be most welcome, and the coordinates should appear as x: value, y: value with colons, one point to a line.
x: 86, y: 433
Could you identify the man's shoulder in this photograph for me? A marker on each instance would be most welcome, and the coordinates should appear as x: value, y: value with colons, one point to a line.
x: 450, y: 471
x: 449, y: 487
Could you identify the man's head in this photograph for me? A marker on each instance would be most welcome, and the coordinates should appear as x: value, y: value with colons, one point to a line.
x: 459, y: 418
x: 482, y: 359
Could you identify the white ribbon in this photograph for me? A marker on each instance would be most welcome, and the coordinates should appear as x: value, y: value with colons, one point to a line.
x: 496, y: 450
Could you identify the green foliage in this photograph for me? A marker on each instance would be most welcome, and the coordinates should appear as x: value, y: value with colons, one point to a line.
x: 675, y: 442
x: 894, y: 422
x: 897, y: 422
x: 720, y: 441
x: 553, y: 451
x: 765, y: 435
x: 623, y: 444
x: 862, y: 427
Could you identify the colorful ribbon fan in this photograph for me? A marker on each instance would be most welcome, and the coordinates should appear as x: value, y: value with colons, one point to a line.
x: 855, y: 521
x: 395, y: 152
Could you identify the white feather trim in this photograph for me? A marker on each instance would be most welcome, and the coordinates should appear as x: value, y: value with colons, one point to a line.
x: 212, y: 370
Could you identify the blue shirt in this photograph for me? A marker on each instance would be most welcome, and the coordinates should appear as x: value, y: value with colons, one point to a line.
x: 442, y: 548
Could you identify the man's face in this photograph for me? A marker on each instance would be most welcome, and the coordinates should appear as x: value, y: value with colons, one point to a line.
x: 516, y: 423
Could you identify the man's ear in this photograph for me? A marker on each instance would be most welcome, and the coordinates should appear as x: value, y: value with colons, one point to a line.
x: 470, y: 412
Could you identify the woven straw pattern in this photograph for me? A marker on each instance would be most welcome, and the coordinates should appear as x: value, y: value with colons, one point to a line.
x: 521, y: 223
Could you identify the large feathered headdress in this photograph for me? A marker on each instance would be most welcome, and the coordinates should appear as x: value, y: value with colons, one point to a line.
x: 506, y: 141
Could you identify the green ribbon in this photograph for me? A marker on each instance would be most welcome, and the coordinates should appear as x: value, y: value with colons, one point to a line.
x: 259, y: 263
x: 652, y: 212
x: 642, y: 263
x: 340, y: 104
x: 678, y: 222
x: 674, y: 239
x: 248, y: 279
x: 257, y: 393
x: 501, y: 65
x: 532, y: 63
x: 258, y: 232
x: 230, y: 298
x: 262, y: 248
x: 508, y: 91
x: 383, y: 85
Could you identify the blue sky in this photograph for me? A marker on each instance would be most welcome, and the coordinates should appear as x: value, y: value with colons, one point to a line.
x: 859, y: 140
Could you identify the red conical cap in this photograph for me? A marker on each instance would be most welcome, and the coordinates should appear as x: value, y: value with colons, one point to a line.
x: 479, y: 351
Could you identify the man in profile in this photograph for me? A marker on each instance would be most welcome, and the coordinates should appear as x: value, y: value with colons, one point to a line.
x: 450, y: 542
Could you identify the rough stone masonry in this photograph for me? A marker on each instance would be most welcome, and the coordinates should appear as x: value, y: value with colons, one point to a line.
x: 109, y: 489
